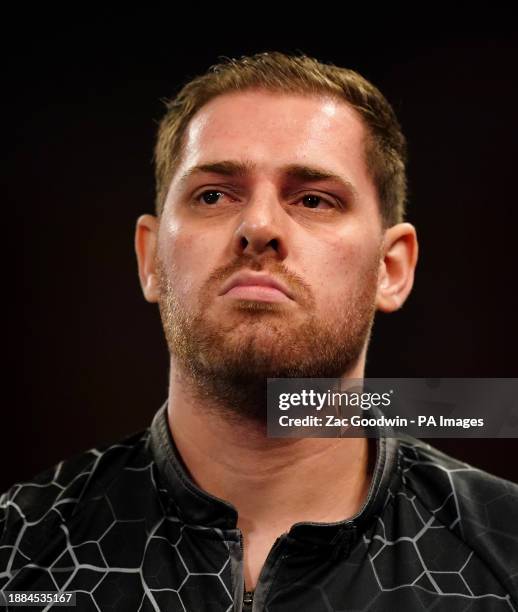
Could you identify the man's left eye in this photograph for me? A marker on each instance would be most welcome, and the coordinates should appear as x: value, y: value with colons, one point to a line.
x: 315, y: 201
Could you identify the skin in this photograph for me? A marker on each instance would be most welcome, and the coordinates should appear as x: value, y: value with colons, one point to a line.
x: 331, y: 257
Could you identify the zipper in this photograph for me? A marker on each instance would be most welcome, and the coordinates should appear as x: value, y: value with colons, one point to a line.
x: 248, y: 601
x: 248, y: 596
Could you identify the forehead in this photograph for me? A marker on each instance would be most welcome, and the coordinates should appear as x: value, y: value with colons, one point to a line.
x: 274, y: 130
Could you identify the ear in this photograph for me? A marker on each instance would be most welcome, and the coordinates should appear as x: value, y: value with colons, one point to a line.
x: 146, y: 238
x: 397, y: 266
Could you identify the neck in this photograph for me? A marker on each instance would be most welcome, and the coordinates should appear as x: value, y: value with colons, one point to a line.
x: 272, y: 482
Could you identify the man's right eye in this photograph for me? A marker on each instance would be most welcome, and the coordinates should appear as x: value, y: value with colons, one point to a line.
x: 209, y: 197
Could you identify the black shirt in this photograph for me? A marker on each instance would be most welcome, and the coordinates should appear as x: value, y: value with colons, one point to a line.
x: 125, y: 528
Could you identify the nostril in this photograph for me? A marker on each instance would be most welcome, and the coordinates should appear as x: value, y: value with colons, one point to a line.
x: 274, y: 244
x: 244, y: 242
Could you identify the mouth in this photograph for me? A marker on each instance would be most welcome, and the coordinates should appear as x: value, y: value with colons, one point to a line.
x: 258, y: 287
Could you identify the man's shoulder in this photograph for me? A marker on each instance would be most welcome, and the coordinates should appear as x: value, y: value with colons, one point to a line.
x: 58, y: 493
x: 433, y: 473
x: 478, y: 509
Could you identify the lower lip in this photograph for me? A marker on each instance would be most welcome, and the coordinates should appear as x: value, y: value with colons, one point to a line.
x: 258, y: 293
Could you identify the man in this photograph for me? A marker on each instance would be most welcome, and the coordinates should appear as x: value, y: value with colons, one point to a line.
x: 279, y: 232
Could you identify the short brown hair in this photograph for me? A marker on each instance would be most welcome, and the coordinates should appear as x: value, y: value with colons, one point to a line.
x: 385, y: 149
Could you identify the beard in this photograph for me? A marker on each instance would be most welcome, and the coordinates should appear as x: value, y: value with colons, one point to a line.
x: 229, y: 358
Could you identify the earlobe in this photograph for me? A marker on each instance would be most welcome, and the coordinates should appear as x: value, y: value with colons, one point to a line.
x: 146, y: 238
x: 397, y: 268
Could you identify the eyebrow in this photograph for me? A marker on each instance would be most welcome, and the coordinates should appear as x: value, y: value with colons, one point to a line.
x: 223, y: 168
x: 240, y: 169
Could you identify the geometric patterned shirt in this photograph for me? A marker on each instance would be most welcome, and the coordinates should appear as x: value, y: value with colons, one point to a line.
x: 126, y: 529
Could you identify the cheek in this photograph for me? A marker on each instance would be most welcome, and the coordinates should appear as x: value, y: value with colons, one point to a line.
x: 339, y: 268
x: 186, y: 256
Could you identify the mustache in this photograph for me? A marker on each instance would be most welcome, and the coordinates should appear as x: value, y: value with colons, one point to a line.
x: 295, y: 283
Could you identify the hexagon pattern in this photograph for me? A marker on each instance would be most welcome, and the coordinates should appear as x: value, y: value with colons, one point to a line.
x: 105, y: 526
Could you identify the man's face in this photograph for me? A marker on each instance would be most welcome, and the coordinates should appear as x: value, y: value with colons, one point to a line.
x: 275, y: 186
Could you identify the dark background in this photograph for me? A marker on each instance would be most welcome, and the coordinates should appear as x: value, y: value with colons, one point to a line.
x: 87, y: 362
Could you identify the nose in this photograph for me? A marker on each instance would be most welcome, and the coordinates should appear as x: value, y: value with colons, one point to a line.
x: 260, y: 229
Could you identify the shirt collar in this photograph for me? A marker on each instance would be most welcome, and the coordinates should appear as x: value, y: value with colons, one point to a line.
x: 196, y: 506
